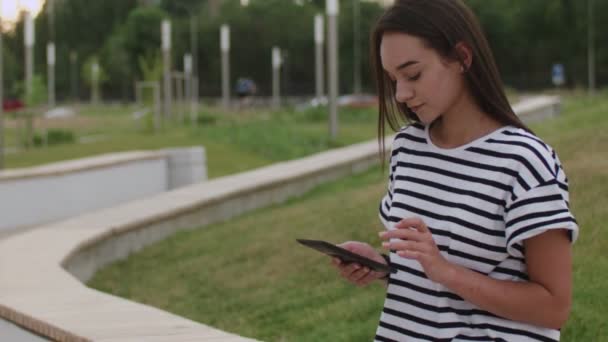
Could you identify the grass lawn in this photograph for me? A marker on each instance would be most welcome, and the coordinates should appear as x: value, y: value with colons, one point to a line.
x: 234, y: 141
x: 249, y: 277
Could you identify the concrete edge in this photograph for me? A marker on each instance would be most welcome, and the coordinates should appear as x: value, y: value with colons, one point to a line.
x: 79, y: 165
x: 39, y: 326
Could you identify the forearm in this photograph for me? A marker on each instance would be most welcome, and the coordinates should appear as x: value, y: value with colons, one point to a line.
x: 527, y: 302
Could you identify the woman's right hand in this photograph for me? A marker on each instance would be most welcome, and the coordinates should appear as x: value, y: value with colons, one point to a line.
x: 355, y: 273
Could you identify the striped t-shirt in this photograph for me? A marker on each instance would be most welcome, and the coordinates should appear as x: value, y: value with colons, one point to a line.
x: 480, y: 201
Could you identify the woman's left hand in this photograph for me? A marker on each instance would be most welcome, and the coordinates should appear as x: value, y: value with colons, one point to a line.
x: 413, y: 240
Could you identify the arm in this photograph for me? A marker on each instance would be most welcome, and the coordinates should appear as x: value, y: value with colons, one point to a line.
x: 543, y: 301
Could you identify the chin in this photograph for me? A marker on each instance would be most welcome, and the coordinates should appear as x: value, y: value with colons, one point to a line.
x: 428, y: 119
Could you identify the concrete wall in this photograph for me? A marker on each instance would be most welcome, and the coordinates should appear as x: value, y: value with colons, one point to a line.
x: 537, y: 108
x: 13, y: 333
x: 39, y: 195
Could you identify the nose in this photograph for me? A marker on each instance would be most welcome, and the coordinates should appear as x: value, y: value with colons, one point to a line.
x: 404, y: 92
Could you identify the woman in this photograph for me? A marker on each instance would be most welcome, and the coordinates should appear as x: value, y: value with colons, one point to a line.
x: 476, y: 214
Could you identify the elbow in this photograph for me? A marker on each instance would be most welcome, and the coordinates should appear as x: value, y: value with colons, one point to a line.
x: 559, y: 315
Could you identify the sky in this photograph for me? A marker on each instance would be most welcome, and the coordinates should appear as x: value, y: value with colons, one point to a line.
x: 9, y: 9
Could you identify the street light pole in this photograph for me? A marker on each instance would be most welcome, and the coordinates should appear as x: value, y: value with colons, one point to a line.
x: 50, y: 61
x: 74, y: 75
x: 188, y: 81
x: 591, y: 47
x: 356, y: 46
x: 332, y: 15
x: 29, y: 39
x: 276, y: 77
x: 225, y: 48
x: 50, y: 54
x: 166, y: 48
x: 319, y: 40
x: 1, y: 100
x: 194, y: 48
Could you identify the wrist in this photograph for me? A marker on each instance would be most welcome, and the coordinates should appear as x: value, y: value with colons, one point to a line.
x: 448, y: 275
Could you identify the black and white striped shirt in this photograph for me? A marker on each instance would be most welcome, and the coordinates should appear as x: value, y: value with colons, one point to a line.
x: 480, y: 201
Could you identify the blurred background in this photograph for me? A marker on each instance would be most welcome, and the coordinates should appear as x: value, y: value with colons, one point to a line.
x: 528, y: 38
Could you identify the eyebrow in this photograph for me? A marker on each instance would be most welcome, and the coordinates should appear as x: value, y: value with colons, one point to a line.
x: 406, y: 64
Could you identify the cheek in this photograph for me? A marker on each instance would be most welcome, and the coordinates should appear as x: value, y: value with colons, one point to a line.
x: 444, y: 87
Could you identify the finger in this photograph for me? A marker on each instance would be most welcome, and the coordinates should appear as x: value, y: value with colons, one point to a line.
x: 370, y: 277
x: 349, y: 269
x: 360, y: 274
x: 401, y: 245
x: 336, y: 261
x: 409, y: 254
x: 348, y: 245
x: 413, y: 222
x: 403, y: 234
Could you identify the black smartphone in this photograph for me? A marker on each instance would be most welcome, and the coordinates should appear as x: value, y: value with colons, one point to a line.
x: 345, y: 255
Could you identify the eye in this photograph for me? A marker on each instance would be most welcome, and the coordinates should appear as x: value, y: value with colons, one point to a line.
x: 415, y: 78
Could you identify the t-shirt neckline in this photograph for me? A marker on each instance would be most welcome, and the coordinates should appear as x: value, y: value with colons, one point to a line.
x: 432, y: 146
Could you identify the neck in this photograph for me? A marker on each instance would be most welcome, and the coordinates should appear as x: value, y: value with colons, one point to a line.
x: 463, y: 123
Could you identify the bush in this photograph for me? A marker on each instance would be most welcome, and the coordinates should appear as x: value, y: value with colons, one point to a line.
x: 205, y: 119
x: 54, y: 137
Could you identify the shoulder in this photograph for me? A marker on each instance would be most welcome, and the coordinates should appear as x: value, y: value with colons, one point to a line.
x: 530, y: 152
x: 413, y: 132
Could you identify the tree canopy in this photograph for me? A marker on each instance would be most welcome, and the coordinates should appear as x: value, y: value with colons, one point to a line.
x: 527, y: 38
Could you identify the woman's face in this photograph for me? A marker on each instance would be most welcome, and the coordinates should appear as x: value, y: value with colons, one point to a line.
x: 426, y: 83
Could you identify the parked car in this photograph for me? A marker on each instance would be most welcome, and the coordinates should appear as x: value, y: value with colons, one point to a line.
x: 11, y: 105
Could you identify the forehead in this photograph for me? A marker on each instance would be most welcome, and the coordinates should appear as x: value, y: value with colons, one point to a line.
x: 397, y: 48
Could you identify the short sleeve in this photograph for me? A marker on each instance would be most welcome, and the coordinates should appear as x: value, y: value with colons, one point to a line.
x: 387, y: 199
x: 538, y: 210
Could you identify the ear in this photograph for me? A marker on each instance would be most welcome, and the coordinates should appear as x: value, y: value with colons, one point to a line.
x: 464, y: 54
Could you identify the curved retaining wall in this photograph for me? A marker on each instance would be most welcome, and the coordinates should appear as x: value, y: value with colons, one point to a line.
x: 38, y: 195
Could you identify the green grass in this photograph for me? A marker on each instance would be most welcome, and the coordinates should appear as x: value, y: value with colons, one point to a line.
x: 581, y: 139
x: 235, y: 142
x: 247, y: 276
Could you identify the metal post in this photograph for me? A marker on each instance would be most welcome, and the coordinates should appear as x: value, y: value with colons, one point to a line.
x: 95, y: 83
x: 29, y: 39
x: 319, y: 60
x: 225, y: 48
x: 194, y: 48
x: 194, y: 108
x: 276, y: 74
x: 166, y: 47
x: 50, y: 59
x: 356, y: 46
x: 179, y: 95
x: 138, y: 99
x: 189, y: 85
x: 1, y: 101
x: 591, y: 46
x: 74, y: 75
x: 157, y: 107
x: 51, y: 53
x: 332, y: 53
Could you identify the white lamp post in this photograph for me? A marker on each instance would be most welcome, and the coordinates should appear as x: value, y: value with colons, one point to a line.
x: 332, y: 53
x: 225, y: 50
x: 166, y: 48
x: 319, y: 60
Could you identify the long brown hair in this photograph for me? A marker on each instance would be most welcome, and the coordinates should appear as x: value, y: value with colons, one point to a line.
x: 441, y: 24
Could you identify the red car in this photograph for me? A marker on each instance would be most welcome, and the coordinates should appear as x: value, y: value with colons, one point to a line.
x: 12, y: 105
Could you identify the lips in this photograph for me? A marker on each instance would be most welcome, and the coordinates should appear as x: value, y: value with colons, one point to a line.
x: 416, y: 108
